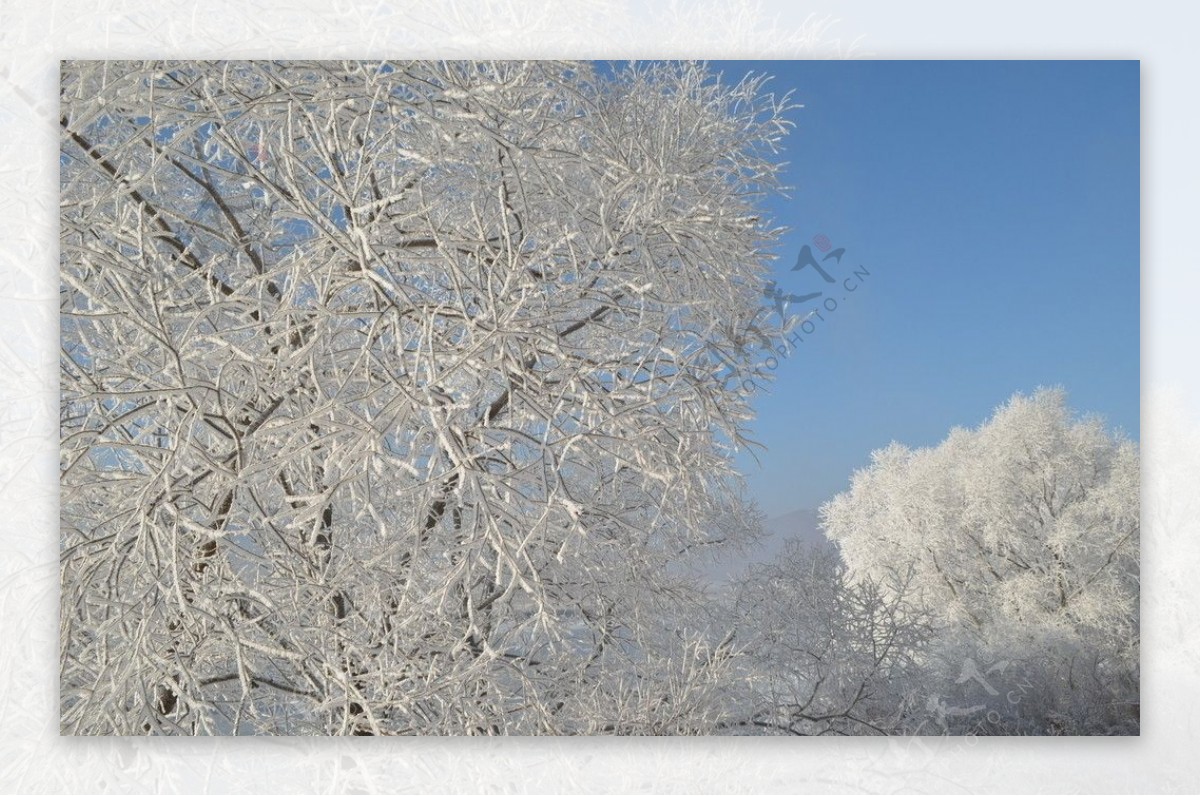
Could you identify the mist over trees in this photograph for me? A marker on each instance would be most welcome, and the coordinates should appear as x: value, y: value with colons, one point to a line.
x: 402, y: 398
x: 826, y: 655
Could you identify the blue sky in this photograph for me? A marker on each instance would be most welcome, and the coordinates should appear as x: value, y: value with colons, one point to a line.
x: 995, y: 205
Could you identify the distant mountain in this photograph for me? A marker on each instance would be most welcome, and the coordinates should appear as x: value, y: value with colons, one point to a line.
x: 802, y: 524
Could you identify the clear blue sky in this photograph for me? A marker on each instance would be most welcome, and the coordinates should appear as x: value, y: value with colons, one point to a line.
x: 996, y: 207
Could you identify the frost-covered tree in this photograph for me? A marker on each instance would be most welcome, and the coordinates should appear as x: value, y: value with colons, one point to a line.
x: 821, y: 655
x: 1022, y: 536
x: 391, y: 392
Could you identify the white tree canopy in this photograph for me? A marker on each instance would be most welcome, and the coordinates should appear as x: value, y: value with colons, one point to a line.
x: 1022, y: 537
x: 1031, y: 518
x: 390, y: 392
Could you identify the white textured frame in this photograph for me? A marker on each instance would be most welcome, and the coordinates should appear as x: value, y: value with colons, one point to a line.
x: 34, y: 36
